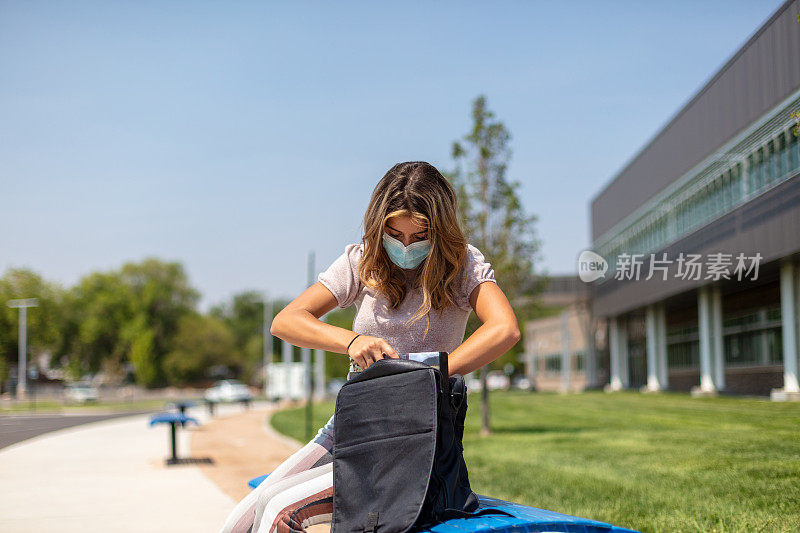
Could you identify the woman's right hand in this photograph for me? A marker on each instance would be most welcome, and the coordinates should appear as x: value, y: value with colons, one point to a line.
x: 365, y: 350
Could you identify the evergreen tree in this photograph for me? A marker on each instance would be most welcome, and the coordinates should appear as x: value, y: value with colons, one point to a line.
x: 494, y: 220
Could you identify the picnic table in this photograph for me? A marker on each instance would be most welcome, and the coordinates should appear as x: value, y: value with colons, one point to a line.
x: 173, y: 419
x: 211, y: 404
x: 526, y: 519
x: 181, y: 405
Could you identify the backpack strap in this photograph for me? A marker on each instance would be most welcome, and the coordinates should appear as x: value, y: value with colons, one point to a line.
x: 444, y: 372
x: 444, y: 365
x: 458, y: 513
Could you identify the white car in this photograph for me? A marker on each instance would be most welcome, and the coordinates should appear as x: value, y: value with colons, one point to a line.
x: 81, y: 392
x: 520, y: 382
x: 228, y: 390
x: 496, y: 380
x: 472, y: 382
x: 335, y: 385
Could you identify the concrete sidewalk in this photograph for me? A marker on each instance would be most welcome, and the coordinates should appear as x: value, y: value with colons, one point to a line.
x: 111, y: 476
x: 242, y: 446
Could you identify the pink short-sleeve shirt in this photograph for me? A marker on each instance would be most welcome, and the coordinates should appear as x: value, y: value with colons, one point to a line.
x: 375, y: 318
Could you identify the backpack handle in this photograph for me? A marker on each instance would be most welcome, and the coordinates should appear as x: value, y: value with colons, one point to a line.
x: 443, y: 366
x: 445, y: 373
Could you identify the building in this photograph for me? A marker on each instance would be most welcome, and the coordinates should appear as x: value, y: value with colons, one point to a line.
x: 720, y: 181
x: 565, y: 350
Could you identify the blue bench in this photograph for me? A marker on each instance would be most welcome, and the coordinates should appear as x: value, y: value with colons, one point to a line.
x: 256, y: 481
x: 526, y: 519
x: 173, y: 419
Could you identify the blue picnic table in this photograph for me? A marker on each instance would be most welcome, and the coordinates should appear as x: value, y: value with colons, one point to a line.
x: 526, y: 519
x: 181, y: 405
x: 173, y: 419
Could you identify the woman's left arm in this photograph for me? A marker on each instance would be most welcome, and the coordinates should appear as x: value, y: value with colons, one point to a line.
x: 496, y: 335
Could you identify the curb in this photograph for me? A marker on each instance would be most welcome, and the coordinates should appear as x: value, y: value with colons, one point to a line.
x: 280, y: 437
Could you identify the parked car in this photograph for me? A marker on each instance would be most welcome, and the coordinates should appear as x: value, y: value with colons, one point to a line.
x: 334, y: 385
x: 228, y: 390
x: 496, y: 380
x: 520, y: 382
x: 472, y: 382
x: 81, y: 392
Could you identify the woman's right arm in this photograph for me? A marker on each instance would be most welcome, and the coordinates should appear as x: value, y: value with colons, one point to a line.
x: 298, y: 323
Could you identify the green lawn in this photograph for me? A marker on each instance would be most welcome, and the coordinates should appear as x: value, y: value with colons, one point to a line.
x: 57, y: 406
x: 651, y: 462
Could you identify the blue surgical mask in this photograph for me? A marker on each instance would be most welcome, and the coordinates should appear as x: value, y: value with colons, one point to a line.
x: 406, y: 256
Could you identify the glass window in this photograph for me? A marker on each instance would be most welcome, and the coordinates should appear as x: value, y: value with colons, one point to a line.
x: 552, y: 363
x: 783, y: 157
x: 774, y: 313
x: 772, y: 162
x: 685, y: 212
x: 704, y: 204
x: 756, y: 172
x: 683, y: 348
x: 737, y: 183
x: 727, y: 201
x: 757, y: 167
x: 775, y: 342
x: 794, y: 155
x: 683, y: 355
x: 742, y: 348
x: 753, y: 337
x: 579, y: 361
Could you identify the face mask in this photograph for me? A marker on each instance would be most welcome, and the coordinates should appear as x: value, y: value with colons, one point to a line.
x: 406, y: 256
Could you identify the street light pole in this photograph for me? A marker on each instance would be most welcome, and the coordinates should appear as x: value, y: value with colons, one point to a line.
x: 267, y: 342
x: 23, y: 305
x: 307, y: 358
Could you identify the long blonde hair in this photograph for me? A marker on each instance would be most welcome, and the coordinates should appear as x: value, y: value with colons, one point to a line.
x: 416, y: 189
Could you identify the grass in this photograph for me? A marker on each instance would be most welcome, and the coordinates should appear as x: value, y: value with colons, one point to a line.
x: 650, y: 462
x: 57, y: 406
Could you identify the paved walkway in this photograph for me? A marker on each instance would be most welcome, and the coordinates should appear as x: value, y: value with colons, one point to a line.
x: 111, y: 476
x: 243, y: 446
x: 16, y: 427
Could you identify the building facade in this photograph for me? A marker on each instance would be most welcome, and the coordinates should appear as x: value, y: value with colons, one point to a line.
x: 718, y: 186
x: 567, y: 350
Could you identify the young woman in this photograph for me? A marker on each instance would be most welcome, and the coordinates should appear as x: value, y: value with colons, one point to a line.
x: 414, y: 281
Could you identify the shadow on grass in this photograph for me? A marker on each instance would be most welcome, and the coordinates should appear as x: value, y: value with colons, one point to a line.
x: 510, y: 430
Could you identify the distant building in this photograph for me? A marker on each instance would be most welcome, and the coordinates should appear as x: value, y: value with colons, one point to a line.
x: 721, y: 177
x: 562, y: 351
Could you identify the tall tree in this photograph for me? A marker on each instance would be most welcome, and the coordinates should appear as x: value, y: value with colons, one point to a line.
x: 494, y: 219
x: 44, y: 322
x: 162, y: 295
x: 200, y: 343
x: 131, y: 314
x: 100, y: 310
x: 244, y: 315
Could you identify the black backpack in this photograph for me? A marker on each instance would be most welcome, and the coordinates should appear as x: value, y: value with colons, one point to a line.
x: 397, y: 455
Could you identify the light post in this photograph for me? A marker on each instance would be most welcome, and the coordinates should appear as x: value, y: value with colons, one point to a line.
x: 267, y: 341
x: 23, y: 305
x: 33, y: 372
x: 307, y: 358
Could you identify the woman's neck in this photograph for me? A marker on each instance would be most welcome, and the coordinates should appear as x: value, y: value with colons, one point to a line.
x: 411, y: 274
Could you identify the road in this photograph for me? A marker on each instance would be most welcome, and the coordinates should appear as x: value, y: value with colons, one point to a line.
x: 18, y: 427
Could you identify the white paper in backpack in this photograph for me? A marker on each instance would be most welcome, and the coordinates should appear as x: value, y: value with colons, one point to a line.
x: 429, y: 358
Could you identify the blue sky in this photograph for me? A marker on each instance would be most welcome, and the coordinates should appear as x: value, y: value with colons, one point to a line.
x: 236, y: 137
